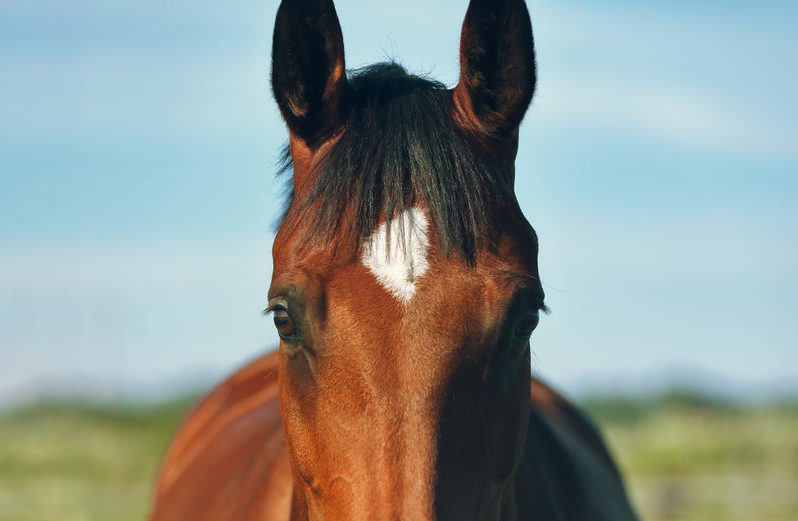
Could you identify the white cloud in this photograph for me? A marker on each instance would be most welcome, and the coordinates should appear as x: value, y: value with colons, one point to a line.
x: 130, y: 318
x: 130, y: 267
x: 132, y: 96
x: 671, y: 114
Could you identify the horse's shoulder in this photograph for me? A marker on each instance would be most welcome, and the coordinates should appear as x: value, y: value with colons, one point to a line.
x: 567, y: 472
x: 564, y: 413
x: 231, y: 442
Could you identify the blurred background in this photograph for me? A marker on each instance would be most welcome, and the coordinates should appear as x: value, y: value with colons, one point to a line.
x: 658, y: 164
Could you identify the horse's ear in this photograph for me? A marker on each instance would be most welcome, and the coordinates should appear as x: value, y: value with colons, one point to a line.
x: 497, y: 66
x: 308, y: 70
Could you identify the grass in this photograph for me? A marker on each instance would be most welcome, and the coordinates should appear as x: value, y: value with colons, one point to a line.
x: 76, y: 462
x: 686, y: 457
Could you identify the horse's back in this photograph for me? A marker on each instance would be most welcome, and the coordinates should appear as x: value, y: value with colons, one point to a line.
x: 228, y: 460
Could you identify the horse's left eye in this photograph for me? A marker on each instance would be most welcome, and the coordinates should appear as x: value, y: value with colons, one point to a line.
x: 284, y: 324
x: 527, y: 323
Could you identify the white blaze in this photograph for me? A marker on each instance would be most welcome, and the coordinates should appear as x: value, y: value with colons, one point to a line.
x: 398, y: 264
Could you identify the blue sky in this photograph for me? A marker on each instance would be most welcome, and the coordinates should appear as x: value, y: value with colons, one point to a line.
x: 659, y: 165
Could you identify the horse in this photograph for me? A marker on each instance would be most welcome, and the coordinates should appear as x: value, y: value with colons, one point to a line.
x: 405, y: 292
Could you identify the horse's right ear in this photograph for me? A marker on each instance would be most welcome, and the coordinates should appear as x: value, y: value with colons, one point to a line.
x: 308, y: 70
x: 497, y: 66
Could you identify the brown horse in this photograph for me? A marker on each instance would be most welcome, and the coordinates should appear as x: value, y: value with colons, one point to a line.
x: 405, y: 291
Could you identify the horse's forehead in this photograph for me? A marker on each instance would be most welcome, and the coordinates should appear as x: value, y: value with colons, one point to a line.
x: 402, y: 255
x: 397, y: 253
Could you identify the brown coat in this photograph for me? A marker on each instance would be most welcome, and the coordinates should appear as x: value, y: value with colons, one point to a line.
x: 228, y: 460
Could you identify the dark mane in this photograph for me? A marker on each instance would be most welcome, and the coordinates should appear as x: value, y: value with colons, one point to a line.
x: 401, y: 146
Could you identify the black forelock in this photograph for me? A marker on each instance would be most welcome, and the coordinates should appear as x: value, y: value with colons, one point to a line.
x: 400, y: 146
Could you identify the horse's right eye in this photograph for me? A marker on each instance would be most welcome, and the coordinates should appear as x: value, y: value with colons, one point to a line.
x: 284, y: 324
x: 529, y: 321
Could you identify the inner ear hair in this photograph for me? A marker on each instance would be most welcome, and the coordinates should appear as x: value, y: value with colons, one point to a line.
x: 308, y: 69
x: 497, y: 66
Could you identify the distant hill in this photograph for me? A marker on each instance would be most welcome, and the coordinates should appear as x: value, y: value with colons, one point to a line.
x: 686, y: 456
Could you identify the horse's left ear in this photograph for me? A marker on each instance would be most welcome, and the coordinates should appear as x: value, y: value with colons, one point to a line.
x: 497, y: 67
x: 308, y: 69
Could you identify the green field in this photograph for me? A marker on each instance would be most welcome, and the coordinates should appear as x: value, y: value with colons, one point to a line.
x: 685, y: 458
x: 699, y: 460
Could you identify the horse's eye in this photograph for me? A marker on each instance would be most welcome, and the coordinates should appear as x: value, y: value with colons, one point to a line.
x: 527, y: 323
x: 284, y: 324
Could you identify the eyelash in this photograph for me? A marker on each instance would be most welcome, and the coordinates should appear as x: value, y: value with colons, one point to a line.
x: 275, y: 304
x: 272, y: 309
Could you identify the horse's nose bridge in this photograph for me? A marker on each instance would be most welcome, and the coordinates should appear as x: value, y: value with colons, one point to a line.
x: 392, y: 474
x: 403, y: 385
x: 401, y: 450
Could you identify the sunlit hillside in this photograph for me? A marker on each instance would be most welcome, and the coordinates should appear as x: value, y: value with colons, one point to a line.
x: 692, y: 459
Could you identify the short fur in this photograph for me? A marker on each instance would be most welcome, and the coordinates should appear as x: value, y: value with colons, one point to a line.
x: 400, y: 261
x: 393, y: 409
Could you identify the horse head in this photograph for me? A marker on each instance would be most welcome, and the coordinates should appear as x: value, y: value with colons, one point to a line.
x: 405, y: 285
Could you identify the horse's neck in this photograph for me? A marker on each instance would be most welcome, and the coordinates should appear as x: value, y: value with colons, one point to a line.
x: 566, y: 472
